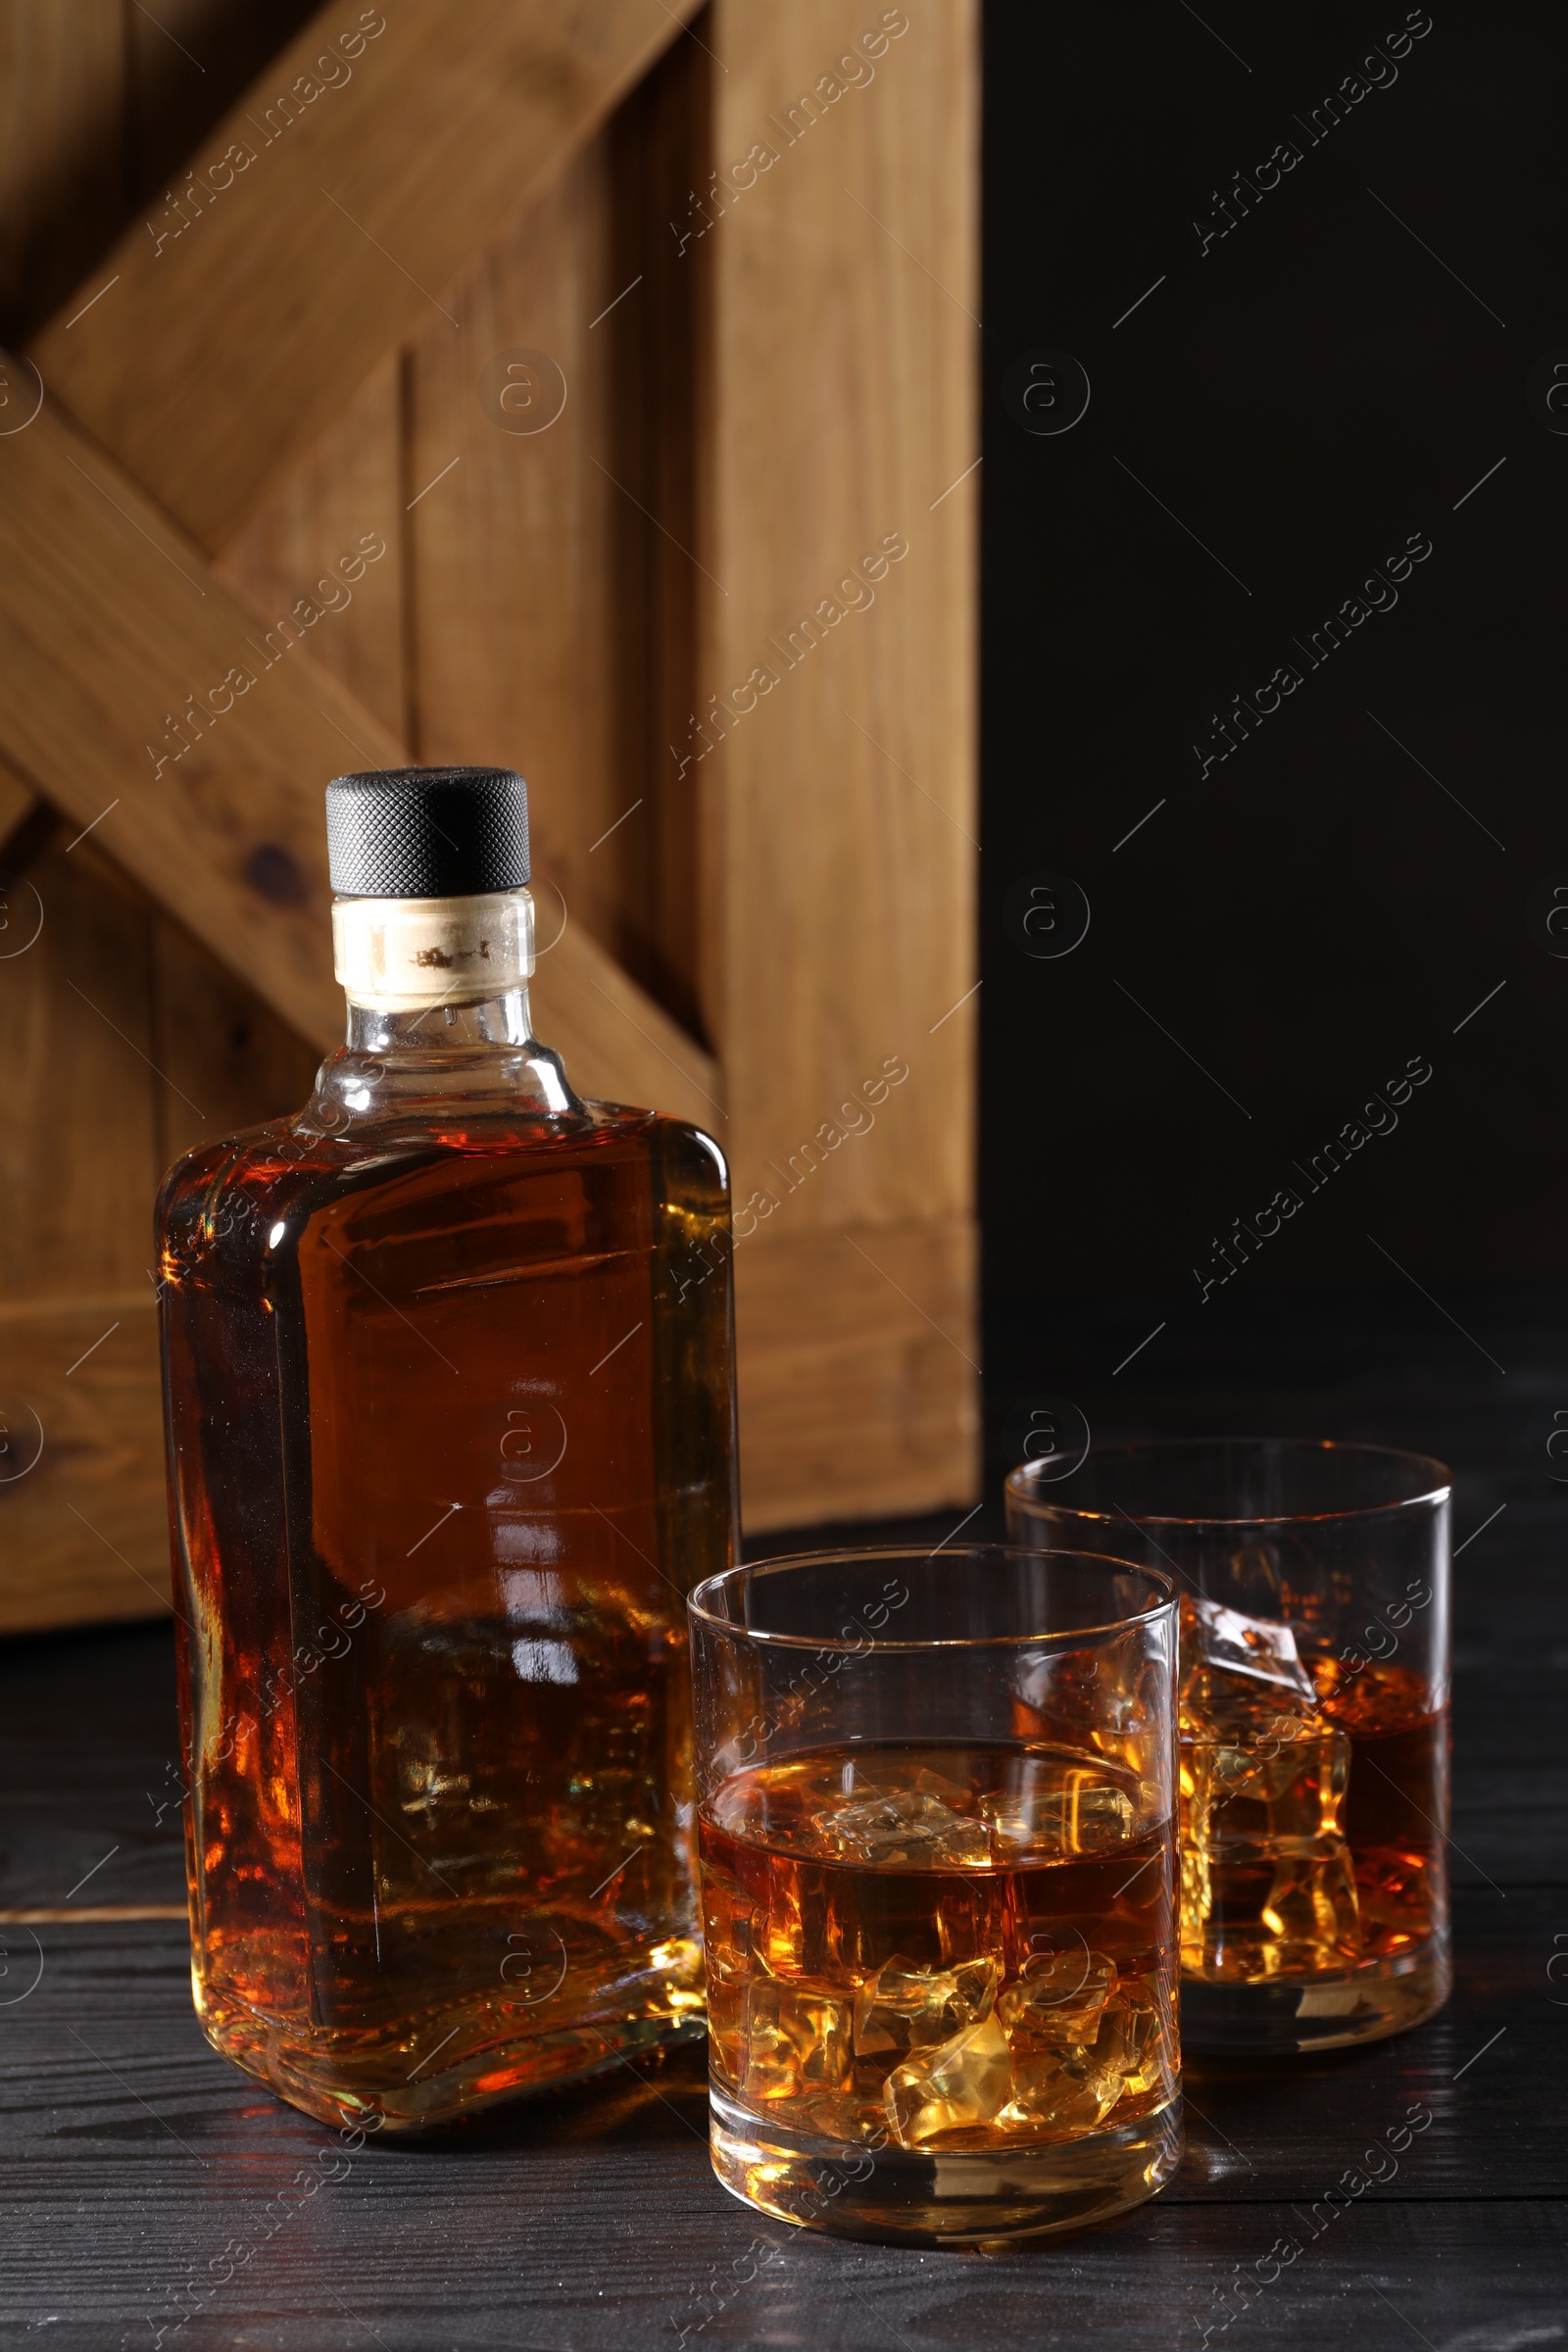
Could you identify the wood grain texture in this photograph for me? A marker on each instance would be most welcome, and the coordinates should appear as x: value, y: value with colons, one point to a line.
x: 382, y: 149
x: 62, y: 152
x: 514, y: 598
x: 859, y: 1371
x: 111, y: 626
x: 592, y: 2218
x: 659, y: 351
x: 218, y: 1046
x: 84, y: 1530
x: 123, y: 1042
x: 843, y: 407
x: 224, y: 1060
x: 351, y: 481
x: 834, y: 743
x: 18, y: 800
x: 79, y: 1146
x: 188, y: 62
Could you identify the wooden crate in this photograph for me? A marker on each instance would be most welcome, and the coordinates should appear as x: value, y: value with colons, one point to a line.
x: 720, y: 611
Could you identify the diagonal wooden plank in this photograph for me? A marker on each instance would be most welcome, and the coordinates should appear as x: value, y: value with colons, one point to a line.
x: 141, y: 696
x: 318, y: 224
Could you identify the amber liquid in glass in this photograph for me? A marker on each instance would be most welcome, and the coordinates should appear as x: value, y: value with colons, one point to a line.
x: 450, y: 1438
x: 1313, y: 1839
x: 939, y: 1948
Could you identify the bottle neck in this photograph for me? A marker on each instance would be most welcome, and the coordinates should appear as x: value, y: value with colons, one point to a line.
x: 498, y: 1020
x: 438, y: 1008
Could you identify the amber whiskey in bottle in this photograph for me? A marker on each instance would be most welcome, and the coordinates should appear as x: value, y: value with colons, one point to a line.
x: 448, y: 1395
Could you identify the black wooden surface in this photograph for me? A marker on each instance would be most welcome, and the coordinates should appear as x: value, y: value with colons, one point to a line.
x: 142, y: 2174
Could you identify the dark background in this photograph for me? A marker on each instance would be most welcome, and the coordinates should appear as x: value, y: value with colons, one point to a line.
x: 1304, y: 396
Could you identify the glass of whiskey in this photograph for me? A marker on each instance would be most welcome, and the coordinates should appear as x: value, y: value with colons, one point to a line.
x: 1313, y: 1717
x: 937, y: 1843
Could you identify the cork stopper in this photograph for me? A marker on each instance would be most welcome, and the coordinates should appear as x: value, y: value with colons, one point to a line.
x: 402, y: 955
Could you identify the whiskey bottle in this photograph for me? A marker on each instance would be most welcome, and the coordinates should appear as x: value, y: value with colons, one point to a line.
x: 448, y: 1402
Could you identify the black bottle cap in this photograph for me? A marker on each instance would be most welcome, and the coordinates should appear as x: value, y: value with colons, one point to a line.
x: 427, y: 832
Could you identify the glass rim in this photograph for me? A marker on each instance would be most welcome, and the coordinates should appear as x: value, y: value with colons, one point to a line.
x: 700, y: 1613
x: 1436, y: 1488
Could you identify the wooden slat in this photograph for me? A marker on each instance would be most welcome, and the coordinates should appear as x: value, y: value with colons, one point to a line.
x: 18, y: 800
x: 189, y: 61
x: 63, y: 89
x: 352, y: 478
x: 108, y: 623
x: 62, y: 78
x: 83, y: 1533
x: 513, y: 603
x: 227, y: 1059
x: 844, y: 415
x: 79, y: 1150
x: 231, y: 343
x: 829, y: 441
x: 224, y: 1059
x: 661, y: 144
x: 858, y: 1389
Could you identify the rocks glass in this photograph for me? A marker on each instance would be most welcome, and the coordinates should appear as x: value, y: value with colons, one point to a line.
x: 937, y: 1831
x: 1313, y: 1717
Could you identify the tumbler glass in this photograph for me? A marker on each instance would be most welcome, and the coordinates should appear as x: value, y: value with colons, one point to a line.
x: 1313, y: 1719
x: 937, y: 1833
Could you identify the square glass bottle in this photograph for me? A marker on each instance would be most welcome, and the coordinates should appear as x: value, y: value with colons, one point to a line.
x: 449, y: 1393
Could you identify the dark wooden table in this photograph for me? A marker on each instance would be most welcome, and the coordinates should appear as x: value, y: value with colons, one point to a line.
x: 139, y: 2166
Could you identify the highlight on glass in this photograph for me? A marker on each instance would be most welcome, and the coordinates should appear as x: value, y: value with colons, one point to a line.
x: 937, y: 1835
x: 1313, y: 1713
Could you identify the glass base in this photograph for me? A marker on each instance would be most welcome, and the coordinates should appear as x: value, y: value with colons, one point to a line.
x: 992, y: 2200
x: 1286, y: 2014
x: 339, y: 2088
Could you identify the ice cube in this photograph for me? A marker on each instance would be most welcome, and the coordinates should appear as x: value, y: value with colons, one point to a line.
x: 1198, y: 1899
x: 842, y: 2118
x: 1395, y: 1899
x: 799, y: 2037
x: 1133, y: 2037
x: 1275, y: 1906
x: 1072, y: 2086
x: 1083, y: 1813
x: 1311, y: 1913
x: 1110, y: 1699
x: 729, y: 1922
x: 904, y: 2008
x: 1256, y: 1762
x: 1263, y: 1648
x: 779, y: 1935
x: 958, y: 2085
x: 726, y: 2024
x: 744, y: 1932
x: 731, y: 1959
x: 1059, y: 2000
x: 1060, y: 2092
x: 909, y: 1827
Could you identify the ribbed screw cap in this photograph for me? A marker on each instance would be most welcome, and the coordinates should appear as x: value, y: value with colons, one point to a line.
x: 427, y: 832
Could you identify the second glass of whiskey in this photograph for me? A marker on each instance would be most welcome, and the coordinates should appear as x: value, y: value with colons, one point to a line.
x: 937, y: 1835
x: 1313, y: 1716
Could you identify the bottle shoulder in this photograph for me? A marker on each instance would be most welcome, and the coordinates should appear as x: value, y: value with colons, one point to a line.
x: 231, y: 1195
